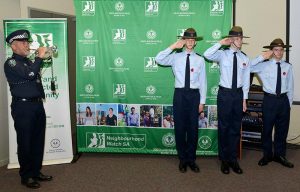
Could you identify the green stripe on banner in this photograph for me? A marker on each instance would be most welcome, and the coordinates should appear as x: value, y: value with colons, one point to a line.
x: 116, y: 45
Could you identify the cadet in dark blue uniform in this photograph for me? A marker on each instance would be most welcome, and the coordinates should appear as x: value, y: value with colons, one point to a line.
x: 27, y: 108
x: 232, y: 95
x: 278, y: 84
x: 189, y: 95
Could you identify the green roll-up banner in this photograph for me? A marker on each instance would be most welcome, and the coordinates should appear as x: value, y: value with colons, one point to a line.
x: 124, y: 99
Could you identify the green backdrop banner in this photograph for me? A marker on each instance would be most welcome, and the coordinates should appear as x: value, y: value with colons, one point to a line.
x: 124, y: 99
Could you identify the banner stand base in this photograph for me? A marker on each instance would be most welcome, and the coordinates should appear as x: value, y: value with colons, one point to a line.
x: 76, y: 157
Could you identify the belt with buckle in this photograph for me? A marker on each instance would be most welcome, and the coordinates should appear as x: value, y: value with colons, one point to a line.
x: 275, y: 95
x: 33, y: 99
x: 228, y: 89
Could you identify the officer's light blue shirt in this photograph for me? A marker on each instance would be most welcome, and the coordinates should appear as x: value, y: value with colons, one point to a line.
x: 178, y: 62
x: 267, y: 72
x: 225, y: 59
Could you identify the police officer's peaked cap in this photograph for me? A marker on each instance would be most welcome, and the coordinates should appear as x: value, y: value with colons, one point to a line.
x: 276, y: 43
x: 18, y: 35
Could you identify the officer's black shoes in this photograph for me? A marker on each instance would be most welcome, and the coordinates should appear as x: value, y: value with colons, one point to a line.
x: 225, y: 167
x: 235, y: 167
x: 182, y: 166
x: 283, y: 161
x: 43, y: 177
x: 264, y: 161
x: 31, y: 183
x: 194, y: 167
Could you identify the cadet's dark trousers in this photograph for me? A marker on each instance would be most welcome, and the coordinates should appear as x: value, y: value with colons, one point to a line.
x: 30, y: 123
x: 186, y: 106
x: 276, y: 111
x: 230, y: 112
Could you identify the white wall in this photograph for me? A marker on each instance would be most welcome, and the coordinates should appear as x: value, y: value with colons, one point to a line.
x: 8, y: 9
x: 263, y: 21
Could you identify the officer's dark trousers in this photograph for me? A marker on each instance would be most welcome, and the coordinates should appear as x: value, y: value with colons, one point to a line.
x: 186, y: 106
x: 30, y: 123
x: 230, y: 112
x: 276, y: 111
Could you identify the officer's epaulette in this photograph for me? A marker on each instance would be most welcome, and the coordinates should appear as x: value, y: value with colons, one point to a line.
x: 266, y: 60
x: 244, y: 53
x: 199, y: 54
x: 178, y: 50
x: 225, y: 48
x: 288, y: 62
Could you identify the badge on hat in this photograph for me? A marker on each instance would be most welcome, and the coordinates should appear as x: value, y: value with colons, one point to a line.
x: 18, y: 35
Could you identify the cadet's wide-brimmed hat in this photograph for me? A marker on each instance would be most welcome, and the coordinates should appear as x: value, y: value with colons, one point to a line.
x: 276, y: 43
x: 190, y: 33
x: 18, y: 35
x: 236, y: 31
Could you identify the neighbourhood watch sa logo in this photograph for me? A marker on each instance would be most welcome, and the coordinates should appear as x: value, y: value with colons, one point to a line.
x: 95, y: 140
x: 151, y: 8
x: 150, y: 65
x: 119, y: 35
x: 89, y: 63
x: 88, y: 8
x: 216, y: 7
x: 119, y: 90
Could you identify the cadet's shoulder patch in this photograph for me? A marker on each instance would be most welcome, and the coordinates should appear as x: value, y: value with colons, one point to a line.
x: 12, y: 62
x: 198, y: 54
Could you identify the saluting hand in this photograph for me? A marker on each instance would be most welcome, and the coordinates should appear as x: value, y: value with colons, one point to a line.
x: 267, y: 54
x: 41, y: 52
x: 178, y: 44
x: 226, y: 41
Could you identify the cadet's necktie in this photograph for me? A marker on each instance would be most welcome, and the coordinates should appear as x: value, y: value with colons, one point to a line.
x: 234, y: 72
x: 187, y: 72
x: 278, y: 84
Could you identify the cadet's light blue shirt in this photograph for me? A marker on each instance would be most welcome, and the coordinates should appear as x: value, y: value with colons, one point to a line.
x: 267, y: 72
x: 225, y: 60
x: 178, y: 62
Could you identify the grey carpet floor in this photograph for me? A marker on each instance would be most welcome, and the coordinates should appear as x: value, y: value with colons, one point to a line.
x: 95, y: 172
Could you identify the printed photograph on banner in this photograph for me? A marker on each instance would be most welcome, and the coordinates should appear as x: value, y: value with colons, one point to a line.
x: 128, y: 115
x: 168, y: 118
x: 85, y: 114
x: 203, y: 118
x: 88, y: 8
x: 107, y: 114
x: 151, y: 8
x: 150, y: 115
x: 212, y: 116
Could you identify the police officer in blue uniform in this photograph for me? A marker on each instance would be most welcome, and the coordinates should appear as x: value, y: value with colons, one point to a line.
x: 27, y: 108
x: 189, y: 95
x: 278, y: 85
x: 232, y: 95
